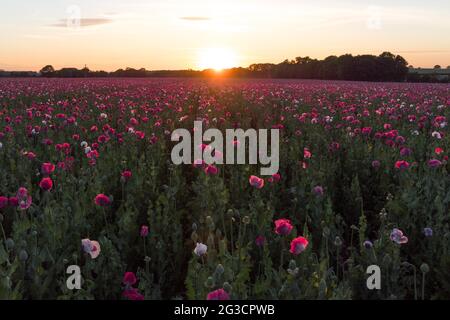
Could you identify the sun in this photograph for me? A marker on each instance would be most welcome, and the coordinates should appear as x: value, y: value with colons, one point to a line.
x: 216, y: 58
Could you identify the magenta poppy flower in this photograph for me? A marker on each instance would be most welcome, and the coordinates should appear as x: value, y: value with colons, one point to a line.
x: 23, y: 199
x: 433, y: 163
x: 91, y: 247
x: 218, y: 294
x: 256, y: 182
x: 102, y: 200
x: 129, y: 278
x: 398, y: 237
x: 47, y: 168
x: 144, y: 231
x: 126, y: 175
x: 260, y: 240
x: 318, y: 190
x: 298, y: 245
x: 46, y: 184
x: 3, y: 202
x: 211, y: 170
x: 402, y: 164
x: 283, y: 227
x: 132, y: 294
x: 438, y: 150
x: 13, y: 202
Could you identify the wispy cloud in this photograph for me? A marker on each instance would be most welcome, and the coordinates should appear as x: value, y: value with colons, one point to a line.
x: 195, y: 18
x: 84, y: 22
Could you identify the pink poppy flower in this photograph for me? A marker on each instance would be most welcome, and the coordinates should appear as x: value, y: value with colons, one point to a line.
x: 306, y: 153
x: 46, y: 184
x: 132, y: 294
x: 47, y: 168
x: 126, y: 175
x: 260, y: 240
x: 211, y: 170
x: 23, y: 198
x: 433, y: 163
x: 218, y: 294
x: 129, y: 278
x: 283, y: 227
x: 102, y: 200
x: 144, y: 231
x: 298, y: 245
x: 398, y: 237
x: 402, y: 164
x: 256, y: 182
x: 3, y: 202
x: 91, y: 247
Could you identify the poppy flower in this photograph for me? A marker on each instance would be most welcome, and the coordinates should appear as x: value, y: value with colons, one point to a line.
x: 91, y: 247
x: 298, y: 245
x: 260, y: 240
x: 47, y: 168
x: 283, y: 227
x: 398, y: 237
x: 46, y: 184
x: 218, y: 294
x: 200, y: 249
x: 211, y: 170
x: 129, y: 278
x: 102, y: 200
x: 433, y: 163
x: 132, y: 294
x: 256, y: 182
x: 318, y: 190
x: 23, y: 198
x: 144, y: 231
x: 402, y: 164
x: 3, y: 202
x: 126, y: 175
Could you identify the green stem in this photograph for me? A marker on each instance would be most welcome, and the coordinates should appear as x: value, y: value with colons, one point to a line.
x: 423, y: 285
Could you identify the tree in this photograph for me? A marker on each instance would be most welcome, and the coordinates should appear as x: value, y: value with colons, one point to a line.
x: 47, y: 71
x: 437, y: 66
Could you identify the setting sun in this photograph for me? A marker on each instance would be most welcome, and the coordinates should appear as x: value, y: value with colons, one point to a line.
x: 216, y: 58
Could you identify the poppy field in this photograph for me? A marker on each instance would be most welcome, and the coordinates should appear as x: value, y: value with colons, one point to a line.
x: 86, y: 180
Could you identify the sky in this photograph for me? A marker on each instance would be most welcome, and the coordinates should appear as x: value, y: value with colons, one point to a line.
x: 195, y: 34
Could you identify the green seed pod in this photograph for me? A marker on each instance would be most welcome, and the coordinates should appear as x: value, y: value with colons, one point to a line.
x: 194, y: 226
x: 227, y: 287
x: 326, y: 232
x: 219, y: 269
x: 23, y: 255
x: 230, y: 212
x: 194, y: 236
x: 9, y: 244
x: 209, y: 282
x: 337, y: 241
x: 424, y: 268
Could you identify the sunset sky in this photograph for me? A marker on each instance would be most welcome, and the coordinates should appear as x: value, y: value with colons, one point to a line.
x: 182, y: 34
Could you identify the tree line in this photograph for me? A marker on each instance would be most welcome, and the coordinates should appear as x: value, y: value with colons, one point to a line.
x: 384, y: 67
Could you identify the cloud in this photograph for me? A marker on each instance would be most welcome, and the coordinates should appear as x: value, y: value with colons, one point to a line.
x: 194, y: 18
x: 83, y: 22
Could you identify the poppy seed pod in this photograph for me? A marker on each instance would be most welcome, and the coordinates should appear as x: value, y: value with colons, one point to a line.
x: 424, y: 268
